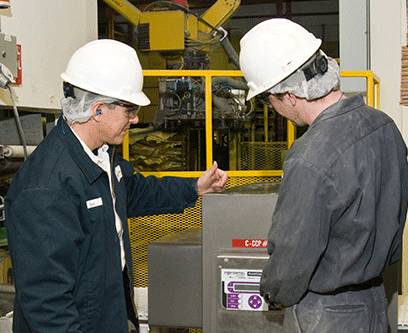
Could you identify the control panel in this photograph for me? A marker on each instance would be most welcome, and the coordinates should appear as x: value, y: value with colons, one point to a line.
x: 240, y: 290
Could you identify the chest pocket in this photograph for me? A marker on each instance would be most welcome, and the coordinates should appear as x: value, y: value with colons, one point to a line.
x: 95, y: 210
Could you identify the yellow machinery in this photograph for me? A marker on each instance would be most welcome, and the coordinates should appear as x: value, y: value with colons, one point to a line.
x: 185, y: 39
x: 176, y: 28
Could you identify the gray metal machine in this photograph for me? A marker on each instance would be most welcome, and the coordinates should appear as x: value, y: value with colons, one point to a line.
x: 212, y: 280
x: 235, y: 226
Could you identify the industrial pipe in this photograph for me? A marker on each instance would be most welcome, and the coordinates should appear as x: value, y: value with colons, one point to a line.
x: 16, y: 151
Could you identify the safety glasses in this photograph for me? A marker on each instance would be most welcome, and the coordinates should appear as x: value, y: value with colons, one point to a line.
x: 264, y: 98
x: 131, y: 109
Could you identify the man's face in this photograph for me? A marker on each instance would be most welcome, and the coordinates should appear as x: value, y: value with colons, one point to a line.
x: 114, y: 123
x: 286, y: 109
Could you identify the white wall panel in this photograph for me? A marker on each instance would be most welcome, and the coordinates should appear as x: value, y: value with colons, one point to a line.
x: 49, y: 32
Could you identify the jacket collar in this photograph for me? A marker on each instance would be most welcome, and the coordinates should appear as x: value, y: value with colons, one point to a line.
x: 87, y: 166
x: 345, y: 105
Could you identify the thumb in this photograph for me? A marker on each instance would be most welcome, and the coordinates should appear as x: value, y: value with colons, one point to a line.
x: 213, y: 168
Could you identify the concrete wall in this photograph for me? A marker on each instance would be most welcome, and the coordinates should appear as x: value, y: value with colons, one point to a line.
x: 388, y: 28
x: 49, y: 32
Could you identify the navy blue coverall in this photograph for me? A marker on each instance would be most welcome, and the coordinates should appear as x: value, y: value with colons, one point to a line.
x: 63, y: 241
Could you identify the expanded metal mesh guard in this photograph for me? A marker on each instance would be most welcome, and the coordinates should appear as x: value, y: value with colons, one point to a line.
x: 144, y: 230
x: 262, y: 155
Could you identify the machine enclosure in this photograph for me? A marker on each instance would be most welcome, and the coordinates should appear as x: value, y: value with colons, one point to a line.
x: 175, y: 288
x: 187, y: 278
x: 165, y: 30
x: 235, y: 229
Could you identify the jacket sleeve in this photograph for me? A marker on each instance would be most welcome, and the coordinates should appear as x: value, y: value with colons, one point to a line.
x: 44, y: 236
x: 298, y: 235
x: 151, y: 195
x: 397, y: 244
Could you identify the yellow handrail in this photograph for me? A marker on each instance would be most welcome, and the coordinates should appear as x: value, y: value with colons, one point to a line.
x: 373, y: 93
x: 372, y: 85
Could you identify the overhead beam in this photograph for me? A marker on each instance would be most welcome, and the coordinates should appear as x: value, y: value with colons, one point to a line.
x: 126, y: 9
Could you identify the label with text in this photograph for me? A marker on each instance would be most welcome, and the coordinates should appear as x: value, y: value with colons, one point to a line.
x: 250, y: 243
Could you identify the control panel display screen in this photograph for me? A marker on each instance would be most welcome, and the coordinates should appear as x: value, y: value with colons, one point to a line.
x: 246, y: 287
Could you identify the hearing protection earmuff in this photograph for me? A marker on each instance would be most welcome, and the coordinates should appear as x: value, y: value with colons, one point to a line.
x: 319, y: 65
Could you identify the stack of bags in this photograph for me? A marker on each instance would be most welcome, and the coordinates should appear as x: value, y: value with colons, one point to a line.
x: 151, y: 150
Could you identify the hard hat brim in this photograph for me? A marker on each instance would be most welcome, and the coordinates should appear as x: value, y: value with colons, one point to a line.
x: 138, y: 98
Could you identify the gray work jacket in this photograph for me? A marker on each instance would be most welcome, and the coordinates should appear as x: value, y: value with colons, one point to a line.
x: 342, y: 204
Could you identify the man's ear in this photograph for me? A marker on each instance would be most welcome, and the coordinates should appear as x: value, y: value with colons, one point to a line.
x: 291, y: 98
x: 97, y: 111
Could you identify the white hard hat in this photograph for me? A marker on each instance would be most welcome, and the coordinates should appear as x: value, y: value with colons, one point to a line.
x: 272, y: 50
x: 107, y: 67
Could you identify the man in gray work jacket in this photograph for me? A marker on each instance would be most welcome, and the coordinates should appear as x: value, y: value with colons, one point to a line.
x: 342, y: 203
x: 67, y: 207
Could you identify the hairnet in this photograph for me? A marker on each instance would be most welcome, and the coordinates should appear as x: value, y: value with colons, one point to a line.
x: 320, y: 85
x: 78, y: 109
